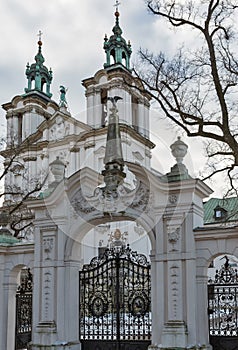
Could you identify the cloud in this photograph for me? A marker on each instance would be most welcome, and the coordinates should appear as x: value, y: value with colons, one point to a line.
x: 73, y: 33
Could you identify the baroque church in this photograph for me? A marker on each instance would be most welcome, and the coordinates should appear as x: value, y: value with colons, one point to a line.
x: 98, y: 250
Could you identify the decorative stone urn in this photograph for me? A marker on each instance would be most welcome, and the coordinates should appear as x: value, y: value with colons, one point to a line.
x: 57, y: 168
x: 179, y: 171
x: 179, y: 150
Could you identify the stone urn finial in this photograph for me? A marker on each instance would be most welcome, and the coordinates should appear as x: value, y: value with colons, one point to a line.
x: 179, y: 171
x: 179, y: 150
x: 57, y: 168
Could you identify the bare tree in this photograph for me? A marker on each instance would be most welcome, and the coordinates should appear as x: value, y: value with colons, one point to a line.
x: 14, y: 212
x: 197, y: 87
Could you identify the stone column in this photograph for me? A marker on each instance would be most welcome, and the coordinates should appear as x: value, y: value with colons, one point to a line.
x: 55, y: 298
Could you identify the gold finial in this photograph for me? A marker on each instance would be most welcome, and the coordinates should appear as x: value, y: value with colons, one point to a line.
x: 39, y: 35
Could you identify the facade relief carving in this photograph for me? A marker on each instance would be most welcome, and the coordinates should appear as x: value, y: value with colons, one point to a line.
x: 59, y: 130
x: 174, y: 235
x: 174, y: 285
x: 173, y: 199
x: 141, y: 198
x: 47, y: 292
x: 106, y: 202
x: 48, y: 244
x: 81, y: 204
x: 139, y: 229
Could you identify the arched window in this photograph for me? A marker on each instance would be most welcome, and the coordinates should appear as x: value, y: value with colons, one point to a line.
x: 104, y: 107
x: 113, y: 55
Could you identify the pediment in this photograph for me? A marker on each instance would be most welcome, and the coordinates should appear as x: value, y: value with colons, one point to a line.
x: 59, y: 126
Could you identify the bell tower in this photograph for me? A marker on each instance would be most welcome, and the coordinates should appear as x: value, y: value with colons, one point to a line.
x: 118, y: 52
x: 117, y: 79
x: 38, y: 76
x: 27, y: 111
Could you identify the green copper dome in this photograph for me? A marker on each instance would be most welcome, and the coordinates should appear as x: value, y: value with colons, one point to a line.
x: 38, y: 76
x: 118, y: 51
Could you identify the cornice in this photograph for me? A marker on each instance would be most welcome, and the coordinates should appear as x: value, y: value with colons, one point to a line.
x: 116, y: 77
x: 215, y: 233
x: 17, y: 248
x: 124, y: 128
x: 32, y: 99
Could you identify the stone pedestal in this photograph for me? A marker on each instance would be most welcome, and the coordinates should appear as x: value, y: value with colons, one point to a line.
x: 174, y: 335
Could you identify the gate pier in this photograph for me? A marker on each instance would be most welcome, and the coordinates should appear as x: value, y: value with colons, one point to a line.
x: 174, y: 334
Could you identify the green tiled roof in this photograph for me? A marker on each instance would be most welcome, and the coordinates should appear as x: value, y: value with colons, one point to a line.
x: 228, y: 204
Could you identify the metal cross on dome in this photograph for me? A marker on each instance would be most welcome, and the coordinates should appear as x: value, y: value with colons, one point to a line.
x: 117, y: 4
x: 39, y: 35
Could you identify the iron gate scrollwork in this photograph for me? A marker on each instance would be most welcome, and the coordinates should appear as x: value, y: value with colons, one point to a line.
x: 24, y: 310
x: 223, y: 308
x: 115, y: 301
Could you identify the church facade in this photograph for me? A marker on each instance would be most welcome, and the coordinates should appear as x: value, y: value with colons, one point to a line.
x: 89, y: 187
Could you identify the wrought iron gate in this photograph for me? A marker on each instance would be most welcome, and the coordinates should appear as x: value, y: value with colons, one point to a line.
x: 23, y: 311
x: 115, y: 301
x: 223, y: 308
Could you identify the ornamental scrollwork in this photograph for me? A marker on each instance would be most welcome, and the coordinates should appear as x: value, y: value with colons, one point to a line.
x: 118, y: 201
x: 80, y: 204
x: 98, y: 304
x: 225, y: 275
x: 141, y: 197
x: 113, y: 253
x: 139, y: 303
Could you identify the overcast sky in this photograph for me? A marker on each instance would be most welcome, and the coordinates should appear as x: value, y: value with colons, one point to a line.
x: 73, y: 33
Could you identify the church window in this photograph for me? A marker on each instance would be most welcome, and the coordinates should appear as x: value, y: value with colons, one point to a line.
x: 104, y: 107
x: 42, y: 84
x: 135, y: 113
x: 19, y: 128
x: 113, y: 55
x: 124, y: 59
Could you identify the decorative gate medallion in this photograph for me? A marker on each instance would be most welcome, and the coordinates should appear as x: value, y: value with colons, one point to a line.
x: 223, y: 308
x: 23, y: 311
x: 115, y: 301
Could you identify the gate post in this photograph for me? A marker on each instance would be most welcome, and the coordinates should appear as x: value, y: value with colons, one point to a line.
x: 11, y: 288
x: 174, y: 265
x: 53, y: 287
